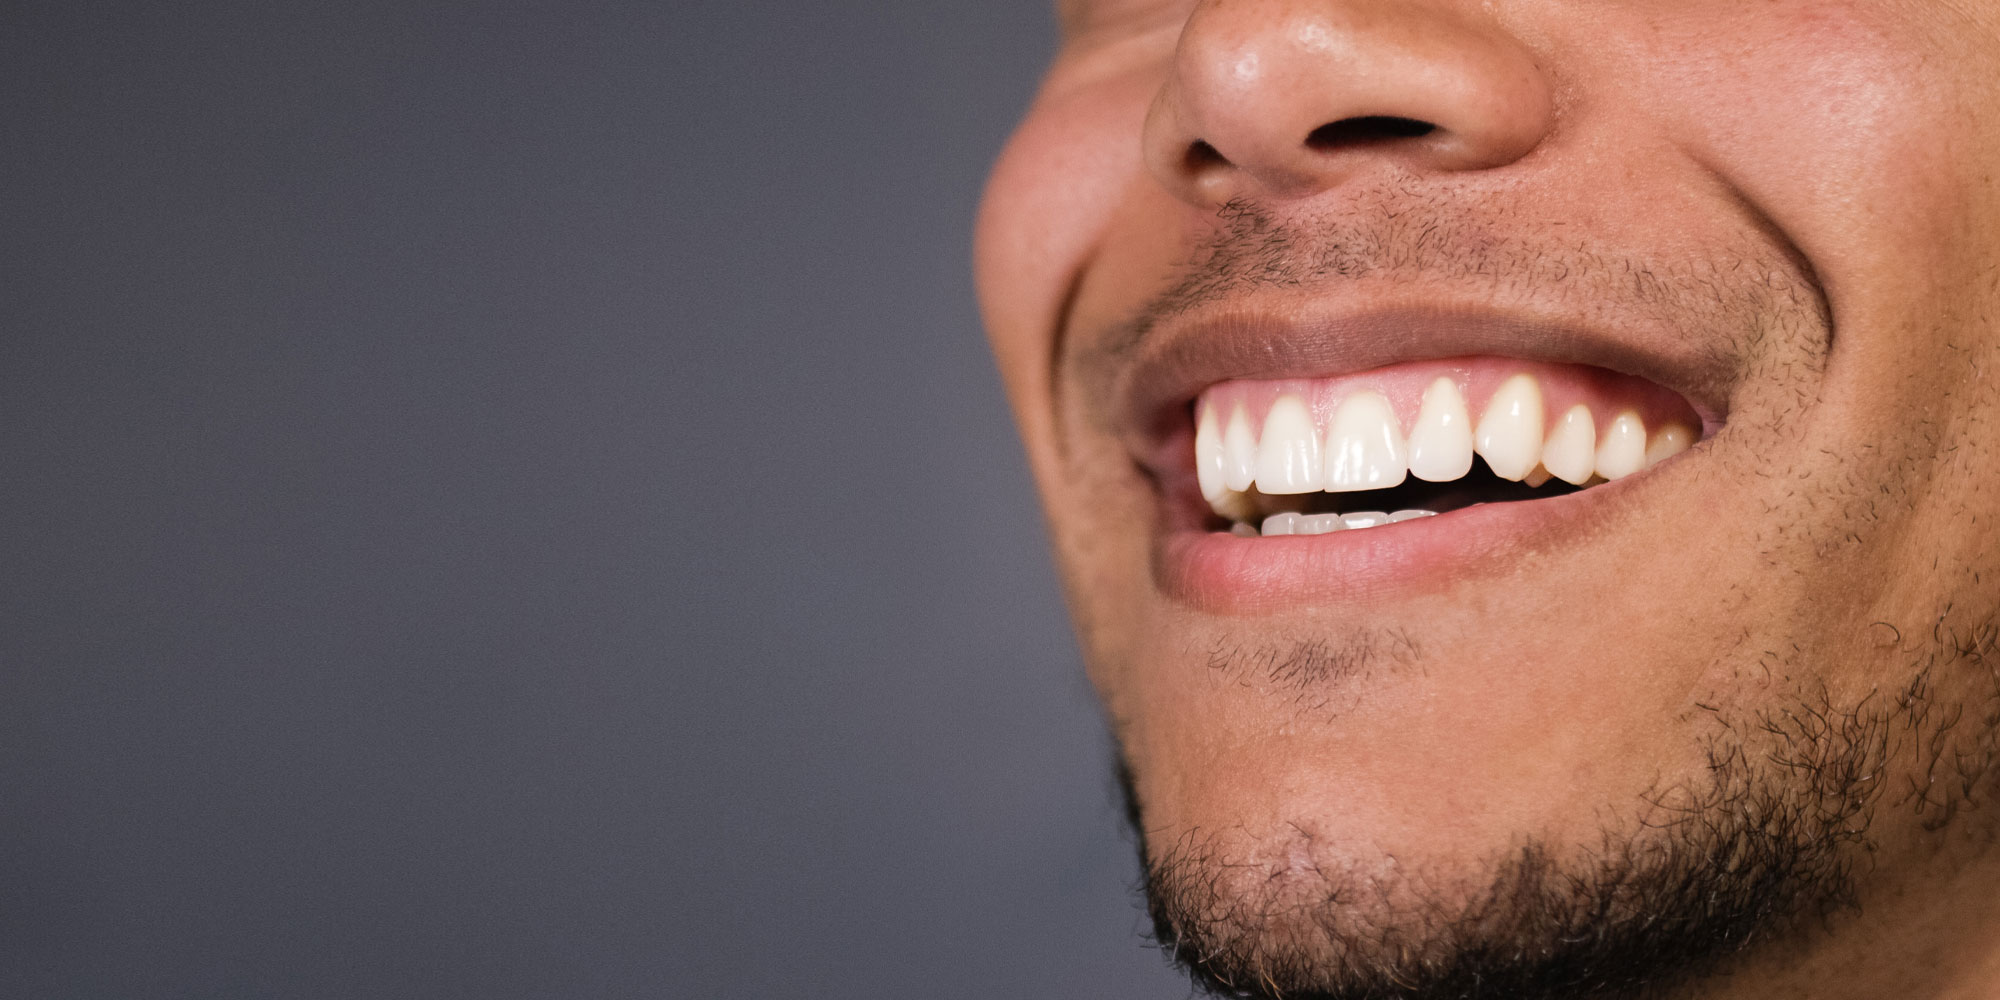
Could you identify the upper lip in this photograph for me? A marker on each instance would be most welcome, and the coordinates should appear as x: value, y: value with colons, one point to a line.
x: 1172, y: 361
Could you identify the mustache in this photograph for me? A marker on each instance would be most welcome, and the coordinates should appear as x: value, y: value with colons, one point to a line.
x: 1742, y: 287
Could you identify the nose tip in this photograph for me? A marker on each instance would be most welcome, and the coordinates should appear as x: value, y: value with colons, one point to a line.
x: 1283, y: 99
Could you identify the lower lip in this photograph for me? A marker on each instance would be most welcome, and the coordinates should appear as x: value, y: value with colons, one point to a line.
x: 1225, y: 573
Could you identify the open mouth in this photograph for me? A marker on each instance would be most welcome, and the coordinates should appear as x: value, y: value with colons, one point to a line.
x: 1412, y: 440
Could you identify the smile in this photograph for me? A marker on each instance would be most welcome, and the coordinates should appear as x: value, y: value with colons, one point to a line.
x: 1380, y: 454
x: 1313, y: 456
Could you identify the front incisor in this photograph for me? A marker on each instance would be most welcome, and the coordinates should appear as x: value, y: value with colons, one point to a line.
x: 1364, y: 447
x: 1288, y: 459
x: 1441, y: 440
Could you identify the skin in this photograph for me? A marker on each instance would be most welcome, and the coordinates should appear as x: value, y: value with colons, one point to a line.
x: 1806, y: 192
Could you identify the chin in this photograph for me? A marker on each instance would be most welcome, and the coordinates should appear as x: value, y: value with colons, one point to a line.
x: 1273, y: 873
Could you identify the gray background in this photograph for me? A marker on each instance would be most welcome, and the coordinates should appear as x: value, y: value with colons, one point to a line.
x: 509, y: 500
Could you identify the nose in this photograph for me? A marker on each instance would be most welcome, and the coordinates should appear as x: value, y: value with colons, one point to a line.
x: 1286, y: 98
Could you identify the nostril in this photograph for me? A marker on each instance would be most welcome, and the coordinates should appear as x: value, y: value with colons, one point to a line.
x: 1201, y: 157
x: 1366, y: 130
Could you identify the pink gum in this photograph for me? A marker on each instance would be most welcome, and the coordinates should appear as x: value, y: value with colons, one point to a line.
x: 1607, y: 393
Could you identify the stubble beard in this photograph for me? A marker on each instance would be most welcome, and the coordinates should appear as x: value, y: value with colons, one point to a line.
x: 1768, y: 846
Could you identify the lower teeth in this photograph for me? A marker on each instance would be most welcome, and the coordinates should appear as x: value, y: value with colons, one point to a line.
x: 1320, y: 524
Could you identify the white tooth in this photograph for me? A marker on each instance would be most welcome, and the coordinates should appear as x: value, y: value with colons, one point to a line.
x: 1318, y: 524
x: 1571, y: 451
x: 1281, y: 524
x: 1288, y: 456
x: 1239, y: 452
x: 1441, y: 441
x: 1667, y: 442
x: 1623, y: 450
x: 1364, y: 447
x: 1410, y: 515
x: 1241, y: 530
x: 1364, y: 519
x: 1509, y: 436
x: 1208, y: 455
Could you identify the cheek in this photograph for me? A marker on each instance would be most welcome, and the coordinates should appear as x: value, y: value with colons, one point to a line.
x: 1045, y: 210
x: 1859, y: 136
x: 1869, y: 145
x: 1862, y: 135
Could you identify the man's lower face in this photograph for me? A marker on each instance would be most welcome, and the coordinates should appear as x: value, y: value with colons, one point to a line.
x: 1592, y: 734
x: 1567, y: 576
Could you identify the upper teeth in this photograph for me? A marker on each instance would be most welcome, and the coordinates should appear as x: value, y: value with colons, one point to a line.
x: 1288, y: 453
x: 1509, y: 435
x: 1364, y: 449
x: 1571, y: 451
x: 1363, y: 445
x: 1441, y: 441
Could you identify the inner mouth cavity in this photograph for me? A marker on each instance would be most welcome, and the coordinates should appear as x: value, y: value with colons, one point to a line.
x: 1307, y: 456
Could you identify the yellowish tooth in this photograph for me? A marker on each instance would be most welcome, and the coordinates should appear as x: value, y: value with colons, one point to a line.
x: 1288, y: 459
x: 1441, y: 441
x: 1208, y: 455
x: 1509, y: 435
x: 1623, y: 450
x: 1667, y: 442
x: 1538, y: 475
x: 1234, y: 506
x: 1364, y: 447
x: 1239, y: 452
x: 1571, y: 452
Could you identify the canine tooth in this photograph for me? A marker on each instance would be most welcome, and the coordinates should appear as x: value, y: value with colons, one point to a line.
x: 1410, y: 515
x: 1239, y: 452
x: 1667, y: 442
x: 1281, y: 524
x: 1208, y: 455
x: 1317, y: 524
x: 1509, y: 436
x: 1571, y: 451
x: 1364, y: 447
x: 1363, y: 519
x: 1288, y: 456
x: 1441, y: 441
x: 1623, y: 450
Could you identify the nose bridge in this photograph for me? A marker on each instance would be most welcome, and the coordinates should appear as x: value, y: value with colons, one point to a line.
x: 1287, y: 97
